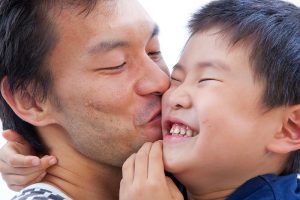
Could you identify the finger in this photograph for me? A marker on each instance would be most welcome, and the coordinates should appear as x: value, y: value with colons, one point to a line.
x: 174, y: 191
x: 156, y: 167
x: 13, y: 136
x: 16, y: 187
x: 39, y: 178
x: 19, y: 160
x: 22, y: 180
x: 141, y: 163
x: 9, y: 154
x: 46, y: 162
x: 128, y: 169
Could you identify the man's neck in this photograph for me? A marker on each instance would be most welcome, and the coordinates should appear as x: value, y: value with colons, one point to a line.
x: 78, y: 176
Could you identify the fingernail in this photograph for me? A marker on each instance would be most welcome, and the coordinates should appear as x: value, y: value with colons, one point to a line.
x: 35, y: 162
x: 52, y: 161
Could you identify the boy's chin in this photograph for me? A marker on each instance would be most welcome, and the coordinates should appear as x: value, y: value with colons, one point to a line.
x: 174, y: 162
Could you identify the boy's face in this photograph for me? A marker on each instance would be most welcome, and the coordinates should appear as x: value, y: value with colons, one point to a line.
x: 215, y: 98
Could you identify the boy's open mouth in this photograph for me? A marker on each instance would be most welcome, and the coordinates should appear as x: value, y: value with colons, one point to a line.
x: 176, y: 129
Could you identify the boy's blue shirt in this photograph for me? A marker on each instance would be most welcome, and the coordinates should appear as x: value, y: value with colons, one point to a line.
x: 269, y: 187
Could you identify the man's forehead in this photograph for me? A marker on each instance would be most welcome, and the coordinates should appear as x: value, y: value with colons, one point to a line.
x: 112, y: 13
x: 80, y: 9
x: 110, y: 26
x: 83, y: 7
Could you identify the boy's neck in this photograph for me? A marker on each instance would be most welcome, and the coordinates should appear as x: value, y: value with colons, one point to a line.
x: 77, y: 175
x: 217, y: 195
x: 217, y: 187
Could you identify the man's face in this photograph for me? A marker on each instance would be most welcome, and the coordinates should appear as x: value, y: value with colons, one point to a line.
x: 215, y: 102
x: 108, y: 76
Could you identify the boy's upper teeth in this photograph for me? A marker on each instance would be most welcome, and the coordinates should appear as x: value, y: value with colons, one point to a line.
x: 181, y: 130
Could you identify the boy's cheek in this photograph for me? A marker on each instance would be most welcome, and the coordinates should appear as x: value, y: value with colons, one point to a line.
x: 165, y: 102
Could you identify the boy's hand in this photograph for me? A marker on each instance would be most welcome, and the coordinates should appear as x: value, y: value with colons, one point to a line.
x: 18, y: 168
x: 144, y: 177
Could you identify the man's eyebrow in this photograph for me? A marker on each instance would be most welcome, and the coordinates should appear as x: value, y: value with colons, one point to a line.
x: 108, y: 45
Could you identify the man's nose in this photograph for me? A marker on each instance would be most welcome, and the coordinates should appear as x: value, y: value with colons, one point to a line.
x: 154, y: 79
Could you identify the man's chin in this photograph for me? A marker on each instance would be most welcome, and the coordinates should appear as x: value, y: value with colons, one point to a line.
x: 153, y: 134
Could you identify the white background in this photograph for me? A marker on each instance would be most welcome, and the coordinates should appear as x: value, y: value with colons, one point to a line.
x: 172, y: 17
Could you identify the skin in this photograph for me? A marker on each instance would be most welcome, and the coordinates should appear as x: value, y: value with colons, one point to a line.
x: 108, y: 81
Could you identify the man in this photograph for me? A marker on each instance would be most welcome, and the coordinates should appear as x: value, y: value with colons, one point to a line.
x: 82, y: 81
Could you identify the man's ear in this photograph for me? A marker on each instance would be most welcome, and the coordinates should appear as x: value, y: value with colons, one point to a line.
x: 288, y: 138
x: 26, y: 106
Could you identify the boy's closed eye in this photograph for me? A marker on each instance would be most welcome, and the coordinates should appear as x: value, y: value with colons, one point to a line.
x: 201, y: 80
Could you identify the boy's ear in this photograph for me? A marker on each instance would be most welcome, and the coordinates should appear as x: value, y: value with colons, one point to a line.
x: 26, y: 106
x: 288, y: 138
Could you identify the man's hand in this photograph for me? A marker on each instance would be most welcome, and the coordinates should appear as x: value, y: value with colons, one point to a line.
x: 17, y: 165
x: 144, y: 177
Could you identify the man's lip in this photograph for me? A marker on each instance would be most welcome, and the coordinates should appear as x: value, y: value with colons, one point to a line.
x: 155, y: 116
x: 146, y: 118
x: 169, y: 121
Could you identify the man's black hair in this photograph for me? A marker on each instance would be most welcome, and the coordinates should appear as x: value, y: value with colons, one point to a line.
x: 272, y: 30
x: 26, y: 38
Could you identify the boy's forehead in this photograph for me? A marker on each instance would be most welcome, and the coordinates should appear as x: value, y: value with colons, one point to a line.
x: 225, y: 37
x: 213, y: 49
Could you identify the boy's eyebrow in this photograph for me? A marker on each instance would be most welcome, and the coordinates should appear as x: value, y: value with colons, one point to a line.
x: 155, y: 31
x: 215, y: 64
x: 178, y: 67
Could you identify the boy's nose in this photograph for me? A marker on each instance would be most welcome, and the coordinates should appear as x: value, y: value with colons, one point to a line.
x: 180, y: 98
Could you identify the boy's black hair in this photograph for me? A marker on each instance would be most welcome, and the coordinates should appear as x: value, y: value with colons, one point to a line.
x: 26, y: 38
x: 272, y: 29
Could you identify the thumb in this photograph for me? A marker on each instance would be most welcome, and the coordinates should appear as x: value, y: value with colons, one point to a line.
x: 175, y: 192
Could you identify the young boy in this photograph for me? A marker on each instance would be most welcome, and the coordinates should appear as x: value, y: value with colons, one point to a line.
x: 231, y: 118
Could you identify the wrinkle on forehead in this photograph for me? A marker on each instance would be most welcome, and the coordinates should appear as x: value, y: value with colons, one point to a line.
x: 66, y: 12
x: 82, y: 8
